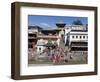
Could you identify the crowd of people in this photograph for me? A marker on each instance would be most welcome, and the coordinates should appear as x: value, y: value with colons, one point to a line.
x: 56, y: 55
x: 52, y: 54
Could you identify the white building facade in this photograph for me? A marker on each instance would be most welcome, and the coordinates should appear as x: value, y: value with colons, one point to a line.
x: 71, y: 34
x: 76, y: 36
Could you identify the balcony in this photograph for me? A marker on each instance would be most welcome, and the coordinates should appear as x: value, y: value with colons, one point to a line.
x: 32, y: 37
x: 79, y: 44
x: 48, y: 36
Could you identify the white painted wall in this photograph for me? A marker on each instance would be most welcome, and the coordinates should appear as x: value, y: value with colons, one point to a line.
x: 77, y: 36
x: 5, y: 41
x: 67, y: 30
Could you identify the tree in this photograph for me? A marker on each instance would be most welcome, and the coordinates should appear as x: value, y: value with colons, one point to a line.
x: 77, y: 22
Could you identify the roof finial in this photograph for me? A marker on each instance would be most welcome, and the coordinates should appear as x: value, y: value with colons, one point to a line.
x: 60, y: 24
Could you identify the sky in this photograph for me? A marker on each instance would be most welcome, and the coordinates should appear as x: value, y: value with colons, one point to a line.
x: 50, y: 21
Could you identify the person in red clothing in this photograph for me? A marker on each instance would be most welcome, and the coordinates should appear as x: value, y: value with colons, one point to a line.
x: 54, y: 58
x: 57, y: 58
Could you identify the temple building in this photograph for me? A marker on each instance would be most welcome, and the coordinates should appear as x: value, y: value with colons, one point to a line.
x: 73, y: 36
x: 32, y: 35
x: 76, y: 37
